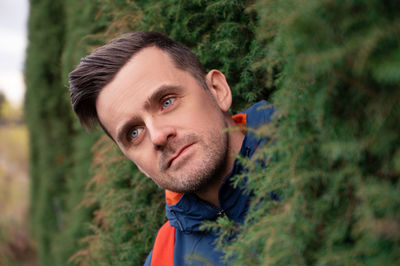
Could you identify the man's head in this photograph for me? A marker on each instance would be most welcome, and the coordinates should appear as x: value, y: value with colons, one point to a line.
x: 163, y: 110
x: 99, y: 68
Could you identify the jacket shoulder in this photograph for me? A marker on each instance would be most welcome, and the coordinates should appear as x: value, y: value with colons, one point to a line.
x: 259, y: 114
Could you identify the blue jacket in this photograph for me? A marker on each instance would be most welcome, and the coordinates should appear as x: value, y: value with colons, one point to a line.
x: 188, y: 242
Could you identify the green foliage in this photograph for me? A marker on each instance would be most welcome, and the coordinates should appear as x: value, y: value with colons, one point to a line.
x: 115, y: 244
x: 335, y: 146
x: 333, y: 156
x: 76, y: 218
x: 129, y: 211
x: 48, y: 119
x: 220, y: 32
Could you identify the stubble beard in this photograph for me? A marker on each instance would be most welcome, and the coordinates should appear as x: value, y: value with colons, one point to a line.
x: 204, y: 171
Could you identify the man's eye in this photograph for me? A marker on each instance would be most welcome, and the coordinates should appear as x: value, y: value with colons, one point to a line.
x: 135, y: 133
x: 168, y: 102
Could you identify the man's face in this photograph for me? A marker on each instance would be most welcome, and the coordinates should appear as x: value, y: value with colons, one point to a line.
x: 165, y: 122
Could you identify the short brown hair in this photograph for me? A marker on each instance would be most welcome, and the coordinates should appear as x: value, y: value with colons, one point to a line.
x: 100, y: 67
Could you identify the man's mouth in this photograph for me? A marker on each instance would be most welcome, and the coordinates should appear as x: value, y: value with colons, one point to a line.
x: 178, y: 154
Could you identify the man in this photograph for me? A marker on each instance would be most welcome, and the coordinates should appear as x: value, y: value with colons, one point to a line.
x: 152, y: 96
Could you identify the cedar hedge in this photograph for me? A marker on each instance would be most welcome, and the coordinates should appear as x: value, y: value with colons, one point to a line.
x: 331, y: 68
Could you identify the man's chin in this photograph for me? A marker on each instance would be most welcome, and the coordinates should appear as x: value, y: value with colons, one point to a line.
x: 194, y: 183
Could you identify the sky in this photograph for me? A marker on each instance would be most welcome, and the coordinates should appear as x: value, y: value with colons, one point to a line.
x: 13, y: 41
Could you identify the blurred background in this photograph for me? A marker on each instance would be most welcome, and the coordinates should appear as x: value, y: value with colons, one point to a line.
x: 16, y: 245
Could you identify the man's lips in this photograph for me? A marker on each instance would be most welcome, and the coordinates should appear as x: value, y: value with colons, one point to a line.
x: 176, y: 155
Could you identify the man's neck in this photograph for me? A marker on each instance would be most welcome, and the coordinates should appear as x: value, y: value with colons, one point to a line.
x: 210, y: 195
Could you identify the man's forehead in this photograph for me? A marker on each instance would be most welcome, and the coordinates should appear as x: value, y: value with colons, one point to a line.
x: 148, y: 70
x: 149, y: 62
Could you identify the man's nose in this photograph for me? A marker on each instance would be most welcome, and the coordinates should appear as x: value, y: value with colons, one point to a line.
x: 160, y: 133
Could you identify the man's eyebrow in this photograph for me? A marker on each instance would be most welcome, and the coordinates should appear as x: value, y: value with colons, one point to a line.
x: 154, y: 97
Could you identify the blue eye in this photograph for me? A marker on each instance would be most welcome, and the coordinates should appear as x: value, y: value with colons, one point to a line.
x: 135, y: 133
x: 168, y: 102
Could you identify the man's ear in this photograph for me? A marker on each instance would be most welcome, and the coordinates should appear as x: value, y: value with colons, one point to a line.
x: 220, y: 89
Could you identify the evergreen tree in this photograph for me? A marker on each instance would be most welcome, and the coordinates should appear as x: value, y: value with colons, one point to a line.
x: 49, y: 122
x: 80, y: 22
x: 130, y: 206
x: 334, y: 152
